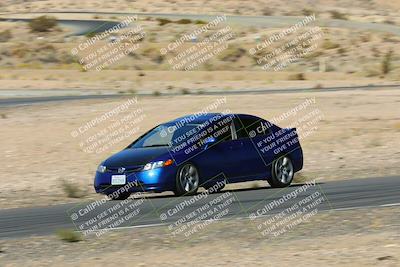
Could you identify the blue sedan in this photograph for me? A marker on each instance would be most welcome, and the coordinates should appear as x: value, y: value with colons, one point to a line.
x: 202, y: 150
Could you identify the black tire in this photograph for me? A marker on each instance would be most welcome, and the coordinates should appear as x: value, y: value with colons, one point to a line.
x: 282, y: 172
x: 120, y: 196
x: 187, y: 180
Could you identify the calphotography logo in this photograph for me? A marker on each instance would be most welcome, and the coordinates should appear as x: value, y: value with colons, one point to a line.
x: 287, y: 46
x: 96, y: 53
x: 106, y: 130
x: 213, y: 40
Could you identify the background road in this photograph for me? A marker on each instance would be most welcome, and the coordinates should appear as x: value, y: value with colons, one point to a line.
x: 82, y: 27
x: 16, y: 101
x: 337, y: 195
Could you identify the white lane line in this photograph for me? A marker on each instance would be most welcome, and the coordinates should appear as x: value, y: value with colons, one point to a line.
x: 390, y: 205
x: 125, y: 227
x: 236, y: 218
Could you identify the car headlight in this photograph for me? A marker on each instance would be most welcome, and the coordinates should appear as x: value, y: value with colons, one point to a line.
x: 101, y: 169
x: 157, y: 164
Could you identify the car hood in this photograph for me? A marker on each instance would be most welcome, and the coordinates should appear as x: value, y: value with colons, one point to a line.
x: 135, y: 156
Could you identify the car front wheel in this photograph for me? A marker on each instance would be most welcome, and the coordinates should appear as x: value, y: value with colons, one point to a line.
x: 282, y: 172
x: 187, y: 180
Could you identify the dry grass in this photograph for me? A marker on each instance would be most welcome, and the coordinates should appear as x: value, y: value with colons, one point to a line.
x: 69, y: 235
x: 72, y: 190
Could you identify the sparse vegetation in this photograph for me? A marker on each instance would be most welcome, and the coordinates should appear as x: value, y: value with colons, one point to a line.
x: 307, y: 12
x: 184, y: 21
x: 338, y: 46
x: 5, y: 36
x: 200, y: 22
x: 342, y: 51
x: 72, y: 190
x: 387, y: 62
x: 69, y: 235
x: 154, y: 54
x: 318, y: 86
x: 131, y: 91
x: 388, y: 21
x: 338, y: 15
x: 42, y: 24
x: 266, y: 11
x: 232, y: 54
x: 162, y: 21
x: 390, y: 38
x: 185, y: 91
x: 330, y: 45
x: 297, y: 77
x: 156, y: 93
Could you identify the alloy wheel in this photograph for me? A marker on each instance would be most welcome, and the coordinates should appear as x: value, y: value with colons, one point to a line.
x: 284, y: 170
x: 189, y: 178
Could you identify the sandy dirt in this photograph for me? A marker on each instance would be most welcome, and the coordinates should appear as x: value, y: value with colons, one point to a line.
x: 357, y: 136
x: 128, y: 81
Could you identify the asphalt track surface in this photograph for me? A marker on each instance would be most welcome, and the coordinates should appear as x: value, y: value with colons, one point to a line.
x: 81, y: 27
x: 18, y: 101
x: 346, y: 194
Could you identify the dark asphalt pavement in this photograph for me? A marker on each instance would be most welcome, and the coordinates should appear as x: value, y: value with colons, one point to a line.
x: 150, y: 211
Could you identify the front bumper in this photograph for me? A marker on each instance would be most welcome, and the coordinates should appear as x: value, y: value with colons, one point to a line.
x: 160, y: 179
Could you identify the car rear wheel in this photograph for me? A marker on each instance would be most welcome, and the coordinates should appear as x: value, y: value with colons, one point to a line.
x: 120, y: 196
x: 282, y: 172
x: 187, y: 180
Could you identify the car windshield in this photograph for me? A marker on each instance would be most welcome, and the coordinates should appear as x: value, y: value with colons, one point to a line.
x: 167, y: 135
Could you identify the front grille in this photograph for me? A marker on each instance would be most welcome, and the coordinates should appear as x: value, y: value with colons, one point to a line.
x: 129, y: 169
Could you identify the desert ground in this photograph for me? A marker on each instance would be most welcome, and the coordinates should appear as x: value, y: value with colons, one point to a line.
x: 43, y: 60
x: 357, y: 137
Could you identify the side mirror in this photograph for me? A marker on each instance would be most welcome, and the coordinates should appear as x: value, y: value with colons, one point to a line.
x: 209, y: 141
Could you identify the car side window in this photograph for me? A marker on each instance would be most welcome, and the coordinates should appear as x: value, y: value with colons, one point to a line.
x: 223, y: 132
x: 250, y: 126
x: 240, y: 129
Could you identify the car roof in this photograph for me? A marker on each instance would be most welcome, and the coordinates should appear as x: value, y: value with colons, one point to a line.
x: 200, y: 118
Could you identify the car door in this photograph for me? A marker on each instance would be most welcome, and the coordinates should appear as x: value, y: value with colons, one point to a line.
x: 216, y: 159
x: 247, y: 162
